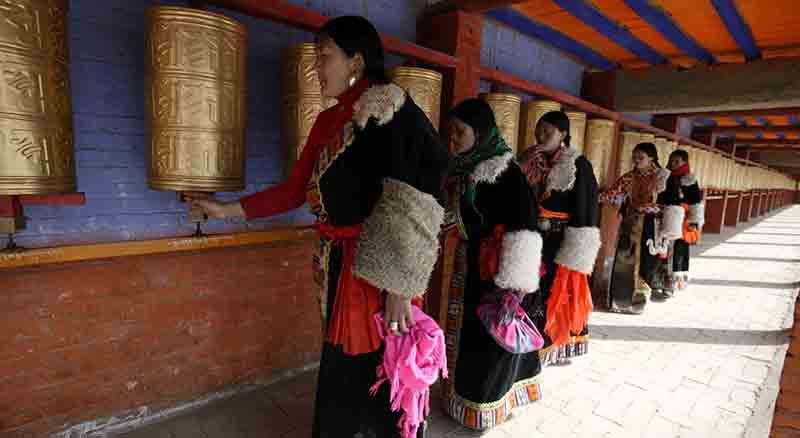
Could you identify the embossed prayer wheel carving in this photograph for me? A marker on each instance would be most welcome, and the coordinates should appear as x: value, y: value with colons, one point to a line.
x: 302, y: 97
x: 533, y: 111
x: 628, y: 141
x: 425, y: 88
x: 597, y: 148
x: 36, y: 144
x: 506, y: 109
x: 196, y: 85
x: 577, y: 129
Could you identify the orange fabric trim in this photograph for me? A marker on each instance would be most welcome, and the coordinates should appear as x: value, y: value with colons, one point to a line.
x: 569, y: 305
x: 690, y: 236
x: 351, y: 323
x: 550, y: 214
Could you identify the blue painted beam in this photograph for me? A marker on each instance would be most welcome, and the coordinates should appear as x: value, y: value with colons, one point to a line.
x: 737, y: 27
x: 610, y: 29
x: 740, y: 120
x: 794, y: 120
x: 763, y: 121
x: 523, y: 24
x: 663, y: 23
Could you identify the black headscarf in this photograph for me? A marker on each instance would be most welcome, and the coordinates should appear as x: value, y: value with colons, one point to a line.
x: 355, y: 34
x: 560, y: 120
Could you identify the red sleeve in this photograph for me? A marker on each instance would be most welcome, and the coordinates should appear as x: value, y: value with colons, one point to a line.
x: 290, y: 194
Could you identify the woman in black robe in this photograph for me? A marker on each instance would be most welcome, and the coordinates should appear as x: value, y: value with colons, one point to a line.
x: 493, y: 213
x: 371, y: 170
x: 564, y: 183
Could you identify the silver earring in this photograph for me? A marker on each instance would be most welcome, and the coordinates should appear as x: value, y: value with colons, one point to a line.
x: 352, y: 81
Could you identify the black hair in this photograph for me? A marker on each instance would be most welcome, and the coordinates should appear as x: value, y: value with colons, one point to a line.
x: 560, y: 120
x: 355, y: 34
x: 650, y: 150
x: 680, y: 153
x: 478, y: 115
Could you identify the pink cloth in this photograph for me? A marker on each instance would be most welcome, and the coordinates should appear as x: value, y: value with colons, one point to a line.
x: 411, y: 364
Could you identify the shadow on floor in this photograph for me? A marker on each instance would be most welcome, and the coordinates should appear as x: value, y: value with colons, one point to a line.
x: 745, y: 283
x: 748, y: 259
x: 688, y: 335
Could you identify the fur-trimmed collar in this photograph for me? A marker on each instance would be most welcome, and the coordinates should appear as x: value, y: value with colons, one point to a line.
x: 380, y: 102
x: 562, y: 175
x: 688, y: 180
x: 489, y: 170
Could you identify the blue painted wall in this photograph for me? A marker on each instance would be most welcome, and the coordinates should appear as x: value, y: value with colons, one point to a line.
x: 507, y: 50
x: 107, y: 74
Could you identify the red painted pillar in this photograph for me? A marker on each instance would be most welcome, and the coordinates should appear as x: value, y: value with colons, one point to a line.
x: 715, y: 212
x: 746, y: 202
x: 733, y: 209
x: 458, y: 34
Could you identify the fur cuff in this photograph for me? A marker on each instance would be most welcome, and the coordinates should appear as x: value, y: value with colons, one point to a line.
x: 697, y: 214
x: 399, y: 240
x: 579, y: 248
x: 520, y: 260
x: 672, y: 222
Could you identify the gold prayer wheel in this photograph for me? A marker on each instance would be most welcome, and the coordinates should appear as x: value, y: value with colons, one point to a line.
x: 38, y: 156
x: 506, y: 108
x: 533, y: 111
x: 425, y: 88
x: 302, y: 98
x: 577, y: 129
x: 628, y: 141
x: 597, y: 148
x: 196, y: 100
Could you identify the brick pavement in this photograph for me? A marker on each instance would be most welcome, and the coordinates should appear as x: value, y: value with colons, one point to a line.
x: 701, y: 365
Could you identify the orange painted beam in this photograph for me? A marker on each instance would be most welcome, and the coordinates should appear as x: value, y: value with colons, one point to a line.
x: 77, y: 253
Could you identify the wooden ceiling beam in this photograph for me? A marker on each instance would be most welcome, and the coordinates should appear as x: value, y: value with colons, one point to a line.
x: 770, y: 112
x: 752, y: 130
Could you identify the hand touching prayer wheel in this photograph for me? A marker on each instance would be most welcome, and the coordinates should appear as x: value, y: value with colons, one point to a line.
x: 37, y: 156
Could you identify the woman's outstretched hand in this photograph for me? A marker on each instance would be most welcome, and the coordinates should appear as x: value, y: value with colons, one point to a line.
x: 211, y: 207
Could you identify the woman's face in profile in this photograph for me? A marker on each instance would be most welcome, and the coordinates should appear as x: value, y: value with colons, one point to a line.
x: 462, y: 136
x: 334, y: 67
x: 548, y: 135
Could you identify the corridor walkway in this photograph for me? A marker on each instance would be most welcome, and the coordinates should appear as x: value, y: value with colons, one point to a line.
x: 705, y: 364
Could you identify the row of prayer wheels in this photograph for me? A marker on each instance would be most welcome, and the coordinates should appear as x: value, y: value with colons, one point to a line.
x: 196, y: 89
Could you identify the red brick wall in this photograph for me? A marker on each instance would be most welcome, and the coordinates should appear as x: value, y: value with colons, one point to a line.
x: 786, y: 423
x: 87, y: 340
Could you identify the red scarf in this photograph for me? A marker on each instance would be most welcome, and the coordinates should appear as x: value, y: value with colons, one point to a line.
x: 682, y: 170
x: 537, y: 165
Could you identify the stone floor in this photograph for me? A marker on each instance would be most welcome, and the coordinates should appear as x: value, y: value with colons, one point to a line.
x: 705, y: 364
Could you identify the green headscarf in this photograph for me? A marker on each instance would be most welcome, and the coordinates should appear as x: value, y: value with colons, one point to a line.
x: 491, y: 146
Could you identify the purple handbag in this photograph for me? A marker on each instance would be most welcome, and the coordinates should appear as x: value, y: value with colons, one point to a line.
x: 502, y: 315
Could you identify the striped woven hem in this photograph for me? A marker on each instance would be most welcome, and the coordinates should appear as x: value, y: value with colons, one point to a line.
x: 483, y: 416
x: 578, y: 346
